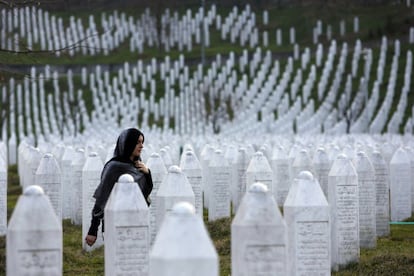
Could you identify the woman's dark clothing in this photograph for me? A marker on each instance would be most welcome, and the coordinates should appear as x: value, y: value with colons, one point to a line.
x: 120, y: 164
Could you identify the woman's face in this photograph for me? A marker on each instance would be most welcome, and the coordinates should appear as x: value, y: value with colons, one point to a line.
x: 138, y: 147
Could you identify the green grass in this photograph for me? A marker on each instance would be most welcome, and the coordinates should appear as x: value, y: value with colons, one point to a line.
x: 393, y: 255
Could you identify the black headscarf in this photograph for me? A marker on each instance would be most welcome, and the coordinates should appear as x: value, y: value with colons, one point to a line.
x: 126, y: 144
x: 112, y: 170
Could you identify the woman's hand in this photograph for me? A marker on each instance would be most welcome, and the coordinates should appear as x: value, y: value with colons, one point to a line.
x: 141, y: 167
x: 90, y: 240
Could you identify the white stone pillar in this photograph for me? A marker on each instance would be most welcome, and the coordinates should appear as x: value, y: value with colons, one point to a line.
x: 306, y: 213
x: 400, y: 185
x: 3, y: 195
x: 48, y: 177
x: 344, y: 203
x: 259, y: 170
x: 158, y: 172
x: 219, y: 189
x: 91, y: 177
x: 173, y: 189
x: 258, y: 235
x: 382, y: 183
x: 191, y: 167
x: 367, y: 201
x: 34, y: 236
x: 321, y: 166
x: 127, y: 237
x: 183, y: 246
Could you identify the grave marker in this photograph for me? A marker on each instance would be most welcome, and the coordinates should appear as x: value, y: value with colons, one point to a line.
x: 306, y: 213
x: 258, y: 235
x: 127, y: 239
x: 34, y: 236
x: 183, y: 246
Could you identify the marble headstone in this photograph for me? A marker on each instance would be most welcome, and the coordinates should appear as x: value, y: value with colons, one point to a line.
x: 306, y: 213
x: 191, y: 167
x: 158, y: 172
x: 173, y: 189
x: 76, y: 184
x: 259, y: 170
x: 219, y: 187
x: 48, y: 177
x: 34, y: 236
x: 367, y: 201
x: 91, y: 177
x: 183, y: 245
x: 321, y: 166
x: 258, y: 235
x: 343, y: 197
x: 382, y: 183
x: 127, y: 236
x: 281, y: 174
x: 3, y: 196
x: 400, y: 185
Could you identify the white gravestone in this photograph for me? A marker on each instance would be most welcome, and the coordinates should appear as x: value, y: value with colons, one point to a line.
x: 205, y: 157
x: 231, y: 155
x: 321, y: 166
x: 259, y: 170
x: 281, y: 174
x: 240, y: 184
x: 48, y: 177
x: 344, y: 208
x: 258, y: 235
x: 382, y: 183
x: 219, y: 189
x: 400, y: 185
x: 183, y: 246
x: 3, y: 196
x: 91, y: 177
x: 306, y: 213
x: 66, y: 170
x: 301, y: 162
x: 34, y: 236
x: 127, y: 236
x: 191, y: 167
x: 173, y: 189
x: 367, y: 201
x: 76, y: 182
x: 33, y: 161
x: 158, y: 172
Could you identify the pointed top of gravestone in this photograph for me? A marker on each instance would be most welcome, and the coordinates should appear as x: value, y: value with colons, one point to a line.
x: 174, y: 169
x: 305, y: 175
x: 363, y: 162
x: 33, y: 190
x: 305, y: 191
x: 258, y: 187
x: 342, y: 166
x: 189, y: 160
x: 183, y: 208
x: 125, y: 178
x: 400, y: 156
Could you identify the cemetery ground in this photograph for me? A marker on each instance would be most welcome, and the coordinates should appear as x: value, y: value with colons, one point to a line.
x: 393, y: 255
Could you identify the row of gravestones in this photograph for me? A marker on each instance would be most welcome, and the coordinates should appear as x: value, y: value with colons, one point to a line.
x: 182, y: 244
x: 266, y: 166
x: 279, y: 159
x: 262, y: 240
x: 115, y: 99
x: 36, y: 26
x: 217, y: 193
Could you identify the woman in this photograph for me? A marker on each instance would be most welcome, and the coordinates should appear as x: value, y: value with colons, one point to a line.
x: 126, y: 160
